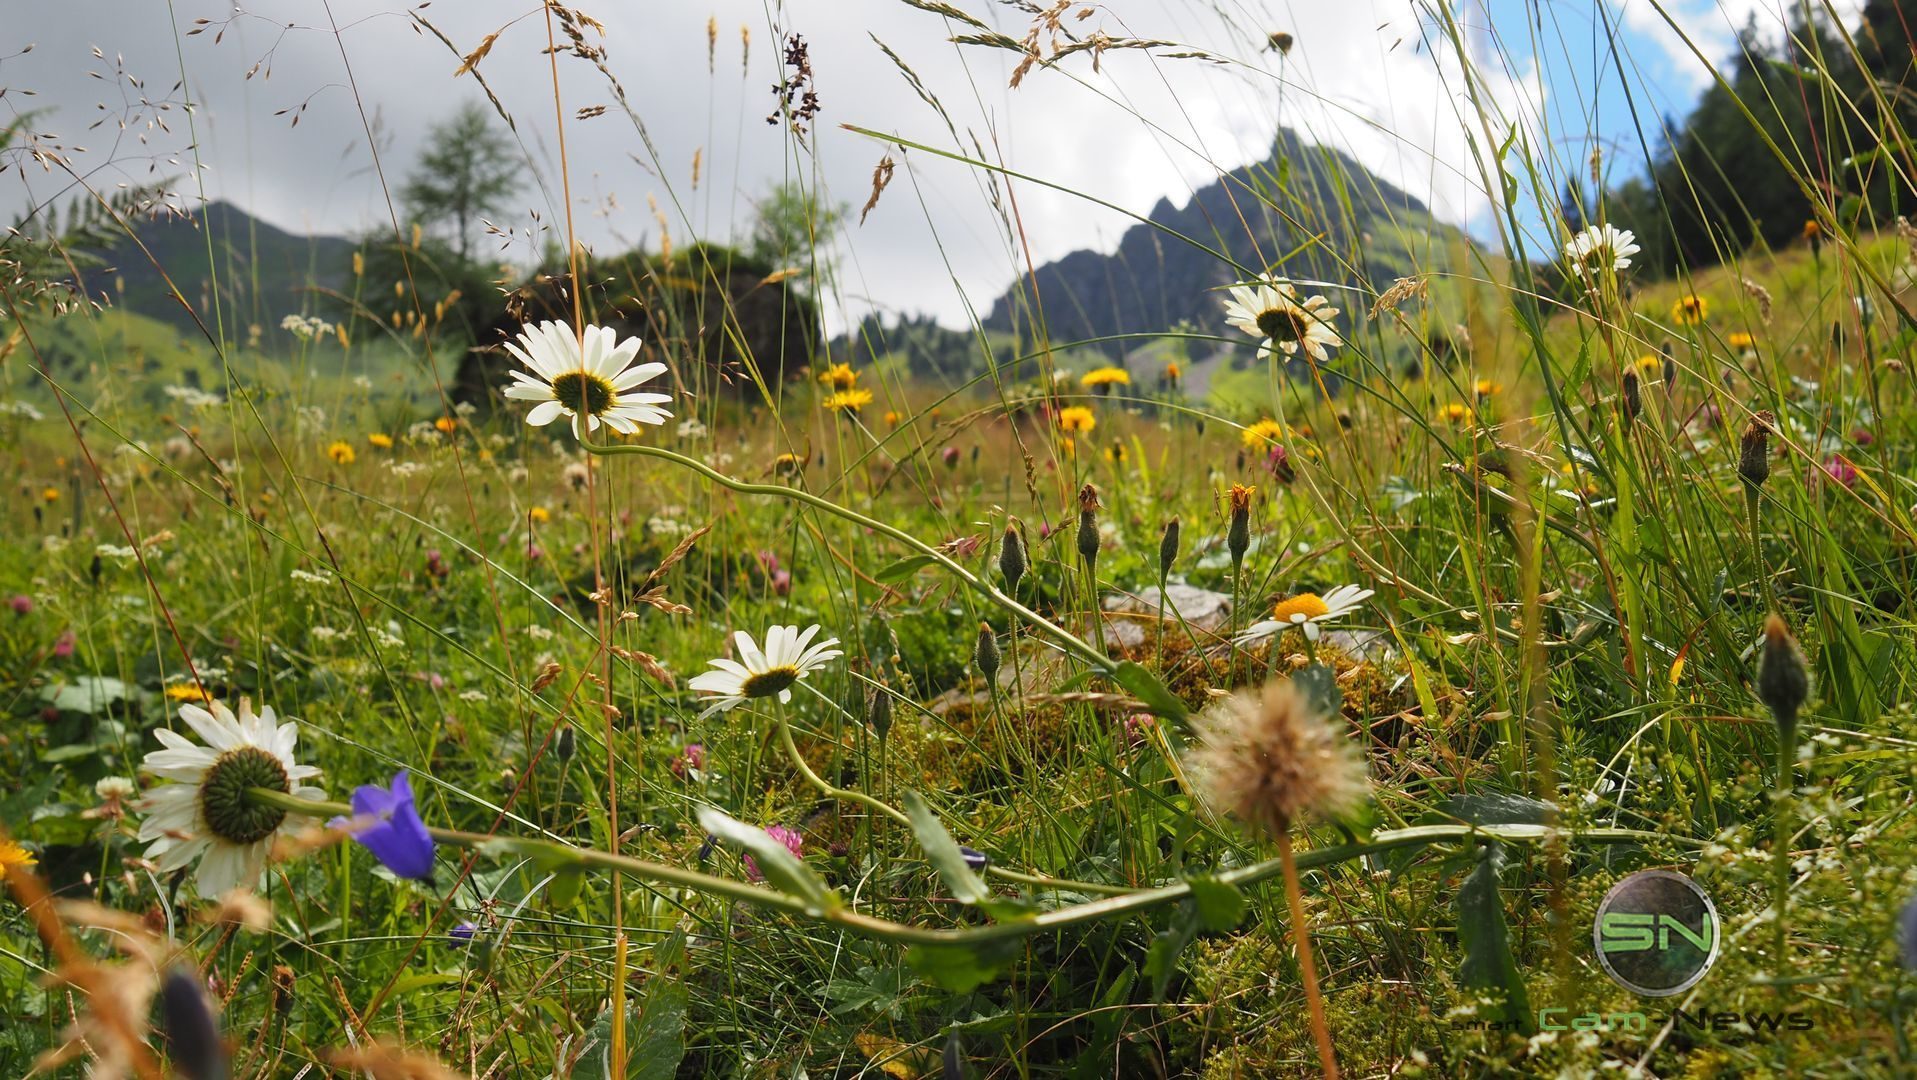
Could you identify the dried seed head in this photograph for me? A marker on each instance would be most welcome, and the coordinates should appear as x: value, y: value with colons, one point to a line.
x: 1633, y: 400
x: 1168, y: 548
x: 1754, y: 452
x: 985, y: 656
x: 1011, y: 558
x: 1273, y: 757
x: 1783, y: 678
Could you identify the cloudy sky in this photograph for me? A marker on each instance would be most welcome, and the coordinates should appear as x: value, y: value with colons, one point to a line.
x: 1380, y: 79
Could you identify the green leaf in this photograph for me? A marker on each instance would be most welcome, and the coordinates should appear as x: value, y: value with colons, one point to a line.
x: 962, y: 968
x: 1488, y: 963
x: 1147, y: 689
x: 655, y: 1037
x: 1319, y: 686
x: 782, y: 869
x: 1219, y: 904
x: 943, y: 852
x: 1161, y: 961
x: 1493, y: 808
x: 86, y: 694
x: 564, y: 887
x: 892, y: 573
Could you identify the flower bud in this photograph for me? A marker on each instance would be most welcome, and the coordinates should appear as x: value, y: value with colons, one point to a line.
x: 1011, y: 559
x: 878, y: 711
x: 1168, y: 548
x: 1754, y: 452
x: 1783, y: 678
x: 1088, y: 524
x: 1633, y: 400
x: 568, y: 743
x: 192, y: 1034
x: 986, y: 657
x: 1238, y: 536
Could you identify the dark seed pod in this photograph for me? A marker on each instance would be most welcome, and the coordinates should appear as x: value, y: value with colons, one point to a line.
x: 1168, y: 548
x: 1011, y: 559
x: 567, y: 744
x: 985, y: 657
x: 1633, y: 399
x: 192, y: 1034
x: 1754, y: 451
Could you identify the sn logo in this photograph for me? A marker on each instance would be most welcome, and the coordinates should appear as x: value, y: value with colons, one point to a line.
x: 1620, y: 932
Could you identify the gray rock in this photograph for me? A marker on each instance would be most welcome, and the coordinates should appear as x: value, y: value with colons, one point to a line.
x: 1202, y: 608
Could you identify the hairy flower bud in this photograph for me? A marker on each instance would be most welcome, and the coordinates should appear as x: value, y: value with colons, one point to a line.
x: 1168, y: 548
x: 192, y: 1034
x: 1783, y: 678
x: 567, y: 744
x: 1011, y: 559
x: 1632, y: 398
x: 1238, y: 536
x: 1754, y: 452
x: 1088, y: 524
x: 986, y: 657
x: 878, y: 711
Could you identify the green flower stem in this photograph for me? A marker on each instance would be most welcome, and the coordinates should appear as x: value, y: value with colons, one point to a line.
x: 550, y: 854
x: 1073, y: 644
x: 817, y: 781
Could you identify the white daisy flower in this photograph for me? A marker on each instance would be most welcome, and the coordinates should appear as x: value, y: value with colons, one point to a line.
x: 1272, y: 310
x: 1600, y: 248
x: 788, y: 657
x: 593, y: 385
x: 204, y: 814
x: 1308, y: 612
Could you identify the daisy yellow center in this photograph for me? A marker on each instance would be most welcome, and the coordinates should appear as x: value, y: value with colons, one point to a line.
x: 1283, y: 324
x: 229, y: 814
x: 1308, y: 605
x: 584, y: 393
x: 769, y: 682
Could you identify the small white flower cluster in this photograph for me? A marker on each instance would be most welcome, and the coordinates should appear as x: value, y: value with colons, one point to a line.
x: 310, y: 417
x: 324, y: 633
x: 20, y: 409
x: 307, y: 329
x: 665, y: 526
x: 472, y: 695
x: 311, y: 578
x: 538, y: 633
x: 193, y: 397
x: 692, y: 429
x: 114, y: 551
x: 406, y: 468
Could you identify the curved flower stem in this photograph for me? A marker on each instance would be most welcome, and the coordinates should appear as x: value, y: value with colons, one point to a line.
x: 550, y: 854
x: 826, y: 789
x: 1073, y: 643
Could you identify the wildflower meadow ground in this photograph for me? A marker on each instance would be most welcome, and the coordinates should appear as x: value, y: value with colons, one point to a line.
x: 1400, y: 643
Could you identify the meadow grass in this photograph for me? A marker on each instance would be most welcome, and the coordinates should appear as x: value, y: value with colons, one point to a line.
x: 1555, y: 683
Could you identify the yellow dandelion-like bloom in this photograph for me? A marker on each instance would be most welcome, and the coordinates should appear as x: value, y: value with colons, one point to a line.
x: 1076, y: 420
x: 446, y: 425
x: 14, y: 857
x: 1267, y: 433
x: 891, y: 418
x: 51, y: 494
x: 1173, y: 372
x: 1813, y: 232
x: 187, y: 692
x: 849, y: 400
x: 839, y: 377
x: 1690, y: 309
x: 1115, y: 453
x: 788, y: 464
x: 1455, y: 413
x: 539, y: 514
x: 1069, y: 447
x: 1485, y: 388
x: 341, y: 452
x: 1272, y: 758
x: 1741, y: 341
x: 379, y: 440
x: 1650, y: 365
x: 1101, y: 378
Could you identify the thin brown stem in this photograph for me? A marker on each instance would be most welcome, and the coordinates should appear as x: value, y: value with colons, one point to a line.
x: 1307, y: 969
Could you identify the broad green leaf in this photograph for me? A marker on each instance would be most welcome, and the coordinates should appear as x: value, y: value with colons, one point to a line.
x: 943, y: 852
x: 895, y: 572
x: 655, y: 1037
x: 1147, y: 689
x: 1219, y: 904
x: 1161, y: 961
x: 1319, y: 686
x: 564, y: 888
x: 782, y: 869
x: 962, y: 968
x: 1488, y: 963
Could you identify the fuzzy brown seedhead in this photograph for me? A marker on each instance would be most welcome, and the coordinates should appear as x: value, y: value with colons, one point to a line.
x: 1271, y: 758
